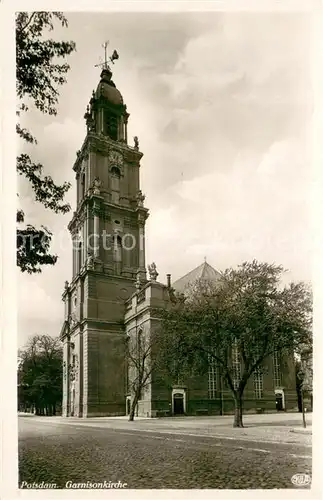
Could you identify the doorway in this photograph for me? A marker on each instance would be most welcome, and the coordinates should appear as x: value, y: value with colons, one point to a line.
x: 178, y: 404
x: 279, y: 402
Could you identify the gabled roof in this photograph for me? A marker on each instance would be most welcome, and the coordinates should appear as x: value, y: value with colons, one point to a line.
x: 204, y: 272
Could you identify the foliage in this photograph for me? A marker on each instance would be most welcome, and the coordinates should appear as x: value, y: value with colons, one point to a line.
x: 40, y: 375
x: 249, y: 312
x: 38, y: 76
x: 304, y: 372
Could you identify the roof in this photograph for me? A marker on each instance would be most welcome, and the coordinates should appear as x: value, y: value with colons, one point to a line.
x: 107, y: 88
x: 204, y: 272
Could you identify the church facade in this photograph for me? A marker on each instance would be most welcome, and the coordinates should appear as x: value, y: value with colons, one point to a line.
x: 108, y: 232
x: 109, y: 295
x: 268, y: 391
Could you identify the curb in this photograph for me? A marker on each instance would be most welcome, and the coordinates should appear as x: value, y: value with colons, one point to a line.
x: 301, y: 431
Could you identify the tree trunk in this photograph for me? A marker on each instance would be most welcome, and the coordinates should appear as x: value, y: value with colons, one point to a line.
x: 303, y: 411
x: 237, y: 422
x: 133, y: 407
x: 132, y: 410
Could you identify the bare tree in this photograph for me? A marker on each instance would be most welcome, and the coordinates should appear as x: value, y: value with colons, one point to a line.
x: 142, y: 348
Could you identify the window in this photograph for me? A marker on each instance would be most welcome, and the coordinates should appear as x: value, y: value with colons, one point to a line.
x: 212, y: 378
x: 79, y: 257
x: 258, y: 383
x: 139, y: 344
x: 112, y: 127
x: 236, y: 365
x: 115, y: 185
x: 277, y: 371
x: 140, y: 360
x: 117, y: 249
x: 82, y: 186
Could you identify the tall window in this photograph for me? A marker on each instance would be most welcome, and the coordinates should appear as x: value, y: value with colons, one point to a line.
x: 115, y: 185
x: 117, y: 249
x: 236, y: 365
x: 79, y: 257
x: 277, y: 370
x: 258, y: 383
x: 82, y: 186
x: 112, y: 127
x: 212, y: 378
x: 140, y: 355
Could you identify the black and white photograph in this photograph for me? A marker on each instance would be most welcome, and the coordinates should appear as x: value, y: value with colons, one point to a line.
x: 164, y: 249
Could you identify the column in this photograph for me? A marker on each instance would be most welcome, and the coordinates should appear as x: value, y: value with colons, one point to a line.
x: 83, y: 257
x: 141, y: 246
x: 126, y: 128
x: 66, y: 381
x: 74, y: 255
x: 96, y: 233
x: 85, y: 233
x: 101, y: 121
x: 77, y: 189
x: 91, y: 168
x: 121, y: 128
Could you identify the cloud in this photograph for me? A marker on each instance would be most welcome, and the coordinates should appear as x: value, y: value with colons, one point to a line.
x: 222, y: 106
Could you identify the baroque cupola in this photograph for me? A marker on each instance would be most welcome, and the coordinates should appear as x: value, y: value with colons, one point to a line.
x: 106, y: 113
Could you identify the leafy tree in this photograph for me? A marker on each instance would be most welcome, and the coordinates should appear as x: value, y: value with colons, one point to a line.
x: 247, y: 315
x: 38, y: 77
x: 40, y: 375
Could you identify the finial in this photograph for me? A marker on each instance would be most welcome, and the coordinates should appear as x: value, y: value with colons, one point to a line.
x: 205, y: 259
x: 112, y: 58
x: 152, y: 272
x: 138, y: 282
x: 140, y: 198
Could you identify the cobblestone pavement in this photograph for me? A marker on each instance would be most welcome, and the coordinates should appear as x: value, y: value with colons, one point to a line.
x: 56, y: 453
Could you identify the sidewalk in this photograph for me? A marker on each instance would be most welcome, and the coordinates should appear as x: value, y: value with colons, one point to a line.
x: 285, y: 428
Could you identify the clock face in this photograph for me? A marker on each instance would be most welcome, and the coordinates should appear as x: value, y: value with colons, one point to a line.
x: 115, y: 157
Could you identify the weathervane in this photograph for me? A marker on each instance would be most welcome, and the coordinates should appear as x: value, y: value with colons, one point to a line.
x: 114, y: 56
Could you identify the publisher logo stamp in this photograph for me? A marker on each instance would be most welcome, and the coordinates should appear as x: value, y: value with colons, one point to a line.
x: 301, y: 479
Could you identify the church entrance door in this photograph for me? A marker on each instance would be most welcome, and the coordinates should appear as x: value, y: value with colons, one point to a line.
x: 178, y: 404
x: 279, y: 402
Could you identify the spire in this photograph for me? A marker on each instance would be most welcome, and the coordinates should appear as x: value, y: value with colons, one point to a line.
x: 106, y: 70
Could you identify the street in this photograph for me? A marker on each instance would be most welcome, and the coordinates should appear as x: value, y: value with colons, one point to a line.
x: 162, y: 453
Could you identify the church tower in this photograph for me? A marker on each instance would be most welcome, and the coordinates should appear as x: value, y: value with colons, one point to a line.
x: 108, y: 233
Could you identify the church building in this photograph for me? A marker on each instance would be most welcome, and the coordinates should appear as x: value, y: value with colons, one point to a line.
x: 110, y: 296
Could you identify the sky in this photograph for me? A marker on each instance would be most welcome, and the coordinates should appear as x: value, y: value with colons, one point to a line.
x: 222, y: 104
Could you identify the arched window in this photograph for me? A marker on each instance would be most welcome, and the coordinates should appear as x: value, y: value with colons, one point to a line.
x: 115, y: 184
x: 277, y: 370
x: 82, y: 186
x: 112, y: 126
x: 140, y: 362
x: 139, y: 344
x: 79, y: 257
x: 117, y: 249
x: 117, y: 254
x: 212, y: 375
